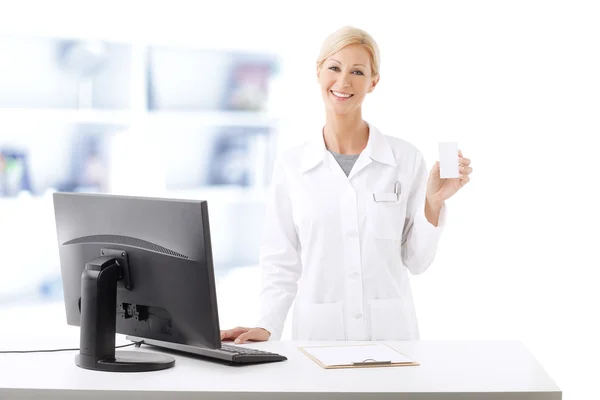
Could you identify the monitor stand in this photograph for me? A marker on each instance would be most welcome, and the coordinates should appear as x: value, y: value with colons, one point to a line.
x: 99, y: 319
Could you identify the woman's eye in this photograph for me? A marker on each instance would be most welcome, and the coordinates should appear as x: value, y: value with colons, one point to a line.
x: 336, y: 68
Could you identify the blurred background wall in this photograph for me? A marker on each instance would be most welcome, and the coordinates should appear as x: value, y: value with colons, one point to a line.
x: 194, y: 99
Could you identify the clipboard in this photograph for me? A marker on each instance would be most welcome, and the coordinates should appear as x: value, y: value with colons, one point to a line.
x: 357, y: 356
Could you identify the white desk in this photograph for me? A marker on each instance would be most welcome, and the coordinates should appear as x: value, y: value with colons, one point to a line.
x: 449, y: 370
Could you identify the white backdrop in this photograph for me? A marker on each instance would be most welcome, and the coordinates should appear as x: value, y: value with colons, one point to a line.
x: 516, y: 83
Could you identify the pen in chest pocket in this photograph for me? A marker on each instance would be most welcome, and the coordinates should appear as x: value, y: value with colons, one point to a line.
x: 387, y: 196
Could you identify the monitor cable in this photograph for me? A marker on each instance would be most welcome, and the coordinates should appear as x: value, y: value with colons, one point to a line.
x: 136, y: 344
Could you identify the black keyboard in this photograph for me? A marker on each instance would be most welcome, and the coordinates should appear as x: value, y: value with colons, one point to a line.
x: 245, y: 355
x: 232, y: 354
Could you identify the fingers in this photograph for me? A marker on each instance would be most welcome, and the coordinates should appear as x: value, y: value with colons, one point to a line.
x: 232, y: 334
x: 227, y: 335
x: 465, y: 170
x: 435, y: 170
x: 254, y: 334
x: 243, y: 338
x: 242, y: 334
x: 464, y: 175
x: 462, y: 160
x: 251, y: 334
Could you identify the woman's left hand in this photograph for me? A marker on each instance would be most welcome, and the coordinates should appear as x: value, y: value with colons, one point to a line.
x: 441, y: 189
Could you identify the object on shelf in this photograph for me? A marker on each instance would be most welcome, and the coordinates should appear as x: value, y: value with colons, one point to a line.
x: 239, y: 157
x: 248, y: 84
x: 84, y: 59
x: 14, y: 173
x: 88, y: 170
x: 181, y: 79
x: 76, y: 161
x: 48, y: 73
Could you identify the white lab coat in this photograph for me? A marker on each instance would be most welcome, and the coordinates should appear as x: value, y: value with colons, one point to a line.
x: 341, y: 255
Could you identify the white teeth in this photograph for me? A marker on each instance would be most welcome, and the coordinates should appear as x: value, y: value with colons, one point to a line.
x: 338, y: 94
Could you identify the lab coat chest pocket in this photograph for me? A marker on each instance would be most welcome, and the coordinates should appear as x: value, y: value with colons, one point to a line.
x: 322, y: 321
x: 386, y: 218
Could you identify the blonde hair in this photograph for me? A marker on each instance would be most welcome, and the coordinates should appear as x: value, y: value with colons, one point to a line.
x: 347, y: 36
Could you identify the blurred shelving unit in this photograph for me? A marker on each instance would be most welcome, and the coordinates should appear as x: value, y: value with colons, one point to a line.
x: 154, y: 91
x: 135, y: 117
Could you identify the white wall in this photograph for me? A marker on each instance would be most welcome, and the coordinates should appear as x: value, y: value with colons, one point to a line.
x: 517, y: 83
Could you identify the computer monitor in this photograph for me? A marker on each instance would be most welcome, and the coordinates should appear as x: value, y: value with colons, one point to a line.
x: 136, y: 266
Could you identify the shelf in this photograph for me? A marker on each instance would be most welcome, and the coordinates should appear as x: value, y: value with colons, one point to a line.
x: 217, y: 193
x: 211, y: 118
x: 222, y: 194
x: 126, y: 118
x: 64, y: 116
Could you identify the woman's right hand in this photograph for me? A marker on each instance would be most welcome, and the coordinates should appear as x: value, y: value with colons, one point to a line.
x: 241, y: 334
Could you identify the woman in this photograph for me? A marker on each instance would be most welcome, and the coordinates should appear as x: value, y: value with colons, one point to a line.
x: 350, y: 212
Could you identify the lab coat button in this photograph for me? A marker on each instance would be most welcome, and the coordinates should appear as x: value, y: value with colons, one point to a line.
x: 354, y: 275
x: 352, y: 234
x: 358, y: 316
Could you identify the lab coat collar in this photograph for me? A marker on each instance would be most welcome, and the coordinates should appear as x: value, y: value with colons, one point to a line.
x: 378, y: 149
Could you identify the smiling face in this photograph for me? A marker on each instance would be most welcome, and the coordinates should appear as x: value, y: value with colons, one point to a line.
x: 345, y: 79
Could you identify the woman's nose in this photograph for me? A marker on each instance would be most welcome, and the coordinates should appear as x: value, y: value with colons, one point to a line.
x: 343, y: 81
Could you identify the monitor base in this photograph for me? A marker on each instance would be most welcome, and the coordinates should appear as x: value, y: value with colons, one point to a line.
x: 127, y: 361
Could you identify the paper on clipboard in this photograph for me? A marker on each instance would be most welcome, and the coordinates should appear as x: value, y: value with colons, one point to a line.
x: 353, y: 356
